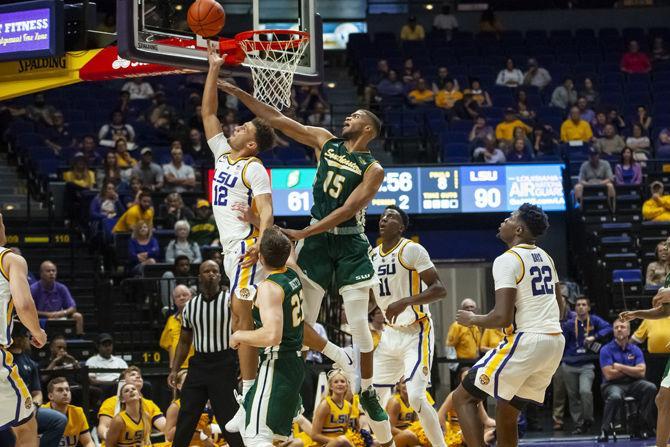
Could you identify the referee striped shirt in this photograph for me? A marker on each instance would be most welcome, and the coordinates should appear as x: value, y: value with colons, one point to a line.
x: 209, y: 321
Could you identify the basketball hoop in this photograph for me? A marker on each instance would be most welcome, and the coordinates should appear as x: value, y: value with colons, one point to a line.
x: 273, y: 56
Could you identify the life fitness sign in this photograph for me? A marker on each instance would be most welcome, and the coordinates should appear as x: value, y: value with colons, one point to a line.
x: 31, y: 29
x: 107, y: 64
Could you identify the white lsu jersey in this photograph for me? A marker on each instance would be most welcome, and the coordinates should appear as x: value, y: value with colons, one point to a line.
x: 531, y: 271
x: 6, y: 304
x: 235, y: 181
x: 398, y: 272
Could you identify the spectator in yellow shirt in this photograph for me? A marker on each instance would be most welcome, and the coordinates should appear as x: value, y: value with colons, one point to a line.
x: 575, y: 128
x: 448, y: 95
x: 490, y: 339
x: 143, y: 210
x: 421, y: 95
x: 657, y: 208
x: 123, y: 158
x: 412, y: 30
x: 80, y: 175
x: 170, y: 336
x: 656, y: 333
x: 505, y: 130
x: 465, y: 340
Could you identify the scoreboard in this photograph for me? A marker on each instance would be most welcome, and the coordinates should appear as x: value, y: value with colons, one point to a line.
x: 437, y: 189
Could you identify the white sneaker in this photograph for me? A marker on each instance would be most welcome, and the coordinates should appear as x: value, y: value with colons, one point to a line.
x: 237, y: 423
x: 350, y: 370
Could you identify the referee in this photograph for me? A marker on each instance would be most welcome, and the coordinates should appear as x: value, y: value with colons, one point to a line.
x: 212, y: 371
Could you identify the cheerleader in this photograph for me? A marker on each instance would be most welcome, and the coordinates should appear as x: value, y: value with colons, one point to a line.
x: 331, y: 418
x: 132, y: 426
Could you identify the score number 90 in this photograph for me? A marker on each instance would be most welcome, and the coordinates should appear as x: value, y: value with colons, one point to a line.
x: 488, y: 198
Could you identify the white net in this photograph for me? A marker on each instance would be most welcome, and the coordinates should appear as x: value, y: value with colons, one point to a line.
x: 273, y: 62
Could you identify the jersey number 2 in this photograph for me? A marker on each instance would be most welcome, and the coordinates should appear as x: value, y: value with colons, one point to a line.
x: 296, y: 304
x: 541, y: 281
x: 220, y: 195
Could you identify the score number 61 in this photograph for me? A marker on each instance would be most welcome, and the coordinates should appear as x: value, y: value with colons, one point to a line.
x: 488, y: 198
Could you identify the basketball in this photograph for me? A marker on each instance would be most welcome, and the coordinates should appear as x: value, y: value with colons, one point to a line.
x: 206, y: 17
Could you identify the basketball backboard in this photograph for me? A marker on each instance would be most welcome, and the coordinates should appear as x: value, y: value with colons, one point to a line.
x: 156, y: 31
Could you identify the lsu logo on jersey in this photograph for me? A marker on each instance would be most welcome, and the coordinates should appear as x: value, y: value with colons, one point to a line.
x: 341, y: 419
x: 222, y: 182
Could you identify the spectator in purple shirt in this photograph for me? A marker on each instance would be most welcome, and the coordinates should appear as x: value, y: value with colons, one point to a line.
x: 628, y: 170
x: 584, y: 333
x: 53, y: 299
x: 623, y: 368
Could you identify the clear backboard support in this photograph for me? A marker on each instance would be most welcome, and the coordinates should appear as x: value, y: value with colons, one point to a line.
x: 147, y: 31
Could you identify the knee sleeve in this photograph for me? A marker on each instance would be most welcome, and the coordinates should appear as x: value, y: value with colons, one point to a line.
x: 312, y: 297
x: 356, y: 308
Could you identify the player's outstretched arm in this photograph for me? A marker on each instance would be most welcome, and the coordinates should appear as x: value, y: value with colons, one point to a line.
x: 655, y: 313
x: 269, y: 302
x: 359, y: 199
x: 210, y: 99
x: 24, y: 304
x: 434, y: 292
x: 314, y: 137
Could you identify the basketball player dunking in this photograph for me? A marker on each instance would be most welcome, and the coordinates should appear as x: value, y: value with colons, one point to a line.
x: 239, y: 178
x: 521, y: 367
x: 347, y: 179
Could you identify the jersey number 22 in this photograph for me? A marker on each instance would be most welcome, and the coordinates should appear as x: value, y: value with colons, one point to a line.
x: 541, y: 280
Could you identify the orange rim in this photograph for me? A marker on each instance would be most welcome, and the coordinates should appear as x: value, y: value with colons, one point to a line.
x: 245, y: 39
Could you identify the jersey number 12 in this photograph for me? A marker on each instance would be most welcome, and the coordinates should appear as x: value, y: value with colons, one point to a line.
x: 541, y: 280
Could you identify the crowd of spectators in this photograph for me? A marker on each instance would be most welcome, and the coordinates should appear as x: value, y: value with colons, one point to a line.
x: 535, y: 99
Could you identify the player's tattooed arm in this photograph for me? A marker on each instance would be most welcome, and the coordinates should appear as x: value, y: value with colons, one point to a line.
x: 311, y: 136
x: 502, y: 314
x: 359, y: 199
x: 434, y: 292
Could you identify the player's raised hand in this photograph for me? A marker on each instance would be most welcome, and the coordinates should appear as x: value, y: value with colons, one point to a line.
x: 627, y: 316
x: 38, y: 339
x: 215, y: 61
x: 464, y: 317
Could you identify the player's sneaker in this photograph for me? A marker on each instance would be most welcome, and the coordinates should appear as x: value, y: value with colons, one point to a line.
x: 349, y: 368
x: 371, y: 405
x: 237, y: 423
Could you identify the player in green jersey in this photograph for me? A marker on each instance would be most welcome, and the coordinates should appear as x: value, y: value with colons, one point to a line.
x: 661, y: 309
x: 274, y: 398
x: 334, y: 244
